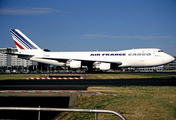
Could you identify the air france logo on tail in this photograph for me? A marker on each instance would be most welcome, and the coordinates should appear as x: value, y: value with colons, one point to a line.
x: 22, y: 41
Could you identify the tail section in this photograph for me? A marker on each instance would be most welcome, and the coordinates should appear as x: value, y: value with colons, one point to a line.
x: 22, y: 42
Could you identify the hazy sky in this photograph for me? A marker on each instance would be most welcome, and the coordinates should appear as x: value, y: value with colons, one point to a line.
x: 90, y: 25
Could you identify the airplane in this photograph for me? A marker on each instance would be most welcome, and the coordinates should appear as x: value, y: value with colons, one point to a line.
x: 94, y: 60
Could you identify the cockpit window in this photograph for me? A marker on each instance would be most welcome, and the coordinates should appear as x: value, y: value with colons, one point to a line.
x: 160, y: 51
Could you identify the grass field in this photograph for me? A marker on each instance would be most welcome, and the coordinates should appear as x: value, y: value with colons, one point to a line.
x: 89, y: 76
x: 135, y: 103
x: 124, y: 76
x: 19, y: 76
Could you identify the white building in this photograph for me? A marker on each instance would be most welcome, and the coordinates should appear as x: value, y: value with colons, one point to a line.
x: 13, y: 62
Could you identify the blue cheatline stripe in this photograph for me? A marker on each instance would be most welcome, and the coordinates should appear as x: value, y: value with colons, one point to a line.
x: 27, y: 47
x: 24, y: 40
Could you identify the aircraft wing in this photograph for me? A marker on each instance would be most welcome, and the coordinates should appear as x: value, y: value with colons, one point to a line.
x: 23, y: 56
x: 18, y: 54
x: 118, y: 62
x: 84, y: 61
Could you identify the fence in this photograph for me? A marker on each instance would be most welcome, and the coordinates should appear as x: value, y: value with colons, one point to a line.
x: 65, y: 110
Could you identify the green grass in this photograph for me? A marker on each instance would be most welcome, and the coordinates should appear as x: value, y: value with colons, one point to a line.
x: 90, y: 76
x: 124, y: 76
x: 19, y: 76
x: 135, y: 103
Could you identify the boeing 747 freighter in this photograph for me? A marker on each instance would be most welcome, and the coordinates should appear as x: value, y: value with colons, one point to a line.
x: 102, y: 60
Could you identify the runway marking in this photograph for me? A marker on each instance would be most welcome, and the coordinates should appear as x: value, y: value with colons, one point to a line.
x: 54, y: 91
x: 54, y: 78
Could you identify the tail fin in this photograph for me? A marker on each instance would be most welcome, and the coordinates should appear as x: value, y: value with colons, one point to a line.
x: 22, y: 42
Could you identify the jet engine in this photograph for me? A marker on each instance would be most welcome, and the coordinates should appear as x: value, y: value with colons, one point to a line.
x: 73, y: 64
x: 105, y: 66
x: 102, y: 66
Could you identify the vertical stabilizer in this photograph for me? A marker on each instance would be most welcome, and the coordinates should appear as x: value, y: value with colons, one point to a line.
x: 22, y: 42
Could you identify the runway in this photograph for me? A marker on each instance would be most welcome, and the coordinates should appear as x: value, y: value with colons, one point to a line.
x: 81, y: 84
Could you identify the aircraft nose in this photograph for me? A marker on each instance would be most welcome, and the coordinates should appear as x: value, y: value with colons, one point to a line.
x: 171, y: 58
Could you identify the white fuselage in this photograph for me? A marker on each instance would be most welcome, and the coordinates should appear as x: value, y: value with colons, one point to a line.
x: 128, y: 58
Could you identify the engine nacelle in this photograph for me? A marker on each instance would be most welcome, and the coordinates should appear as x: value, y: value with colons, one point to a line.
x: 102, y: 66
x: 105, y: 66
x: 75, y: 64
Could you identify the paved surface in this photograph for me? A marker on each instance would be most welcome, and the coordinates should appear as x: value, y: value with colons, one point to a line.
x: 81, y: 84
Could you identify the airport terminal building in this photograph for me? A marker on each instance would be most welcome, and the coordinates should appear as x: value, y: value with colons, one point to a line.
x: 10, y: 63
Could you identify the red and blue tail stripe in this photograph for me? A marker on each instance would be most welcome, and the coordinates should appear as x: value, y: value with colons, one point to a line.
x: 18, y: 45
x: 21, y: 41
